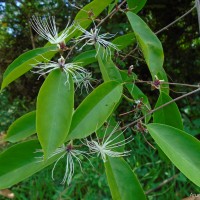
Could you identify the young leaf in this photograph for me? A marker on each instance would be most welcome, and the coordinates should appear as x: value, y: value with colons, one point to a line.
x: 181, y: 148
x: 21, y: 128
x: 19, y: 162
x: 94, y: 110
x: 24, y: 63
x: 169, y: 114
x: 150, y: 45
x: 122, y: 181
x: 54, y: 111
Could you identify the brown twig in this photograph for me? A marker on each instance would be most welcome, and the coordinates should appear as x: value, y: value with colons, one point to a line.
x: 112, y: 13
x: 132, y: 51
x: 162, y: 184
x: 172, y: 23
x: 158, y: 108
x: 169, y: 83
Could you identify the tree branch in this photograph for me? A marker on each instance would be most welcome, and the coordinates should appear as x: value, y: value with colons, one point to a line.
x: 172, y: 23
x: 158, y: 108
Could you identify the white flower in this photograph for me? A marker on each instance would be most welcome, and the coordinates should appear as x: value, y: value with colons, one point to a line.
x: 84, y: 81
x: 70, y: 153
x: 93, y: 37
x: 46, y: 28
x: 108, y: 144
x: 69, y: 68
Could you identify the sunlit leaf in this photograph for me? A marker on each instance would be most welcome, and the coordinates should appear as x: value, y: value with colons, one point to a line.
x: 169, y: 114
x: 95, y: 109
x: 181, y: 148
x: 54, y: 111
x: 150, y: 46
x: 19, y: 162
x: 24, y: 63
x: 122, y: 181
x: 21, y: 128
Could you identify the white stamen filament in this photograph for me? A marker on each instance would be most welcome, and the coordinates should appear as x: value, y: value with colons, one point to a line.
x: 93, y: 37
x: 46, y: 28
x: 105, y: 147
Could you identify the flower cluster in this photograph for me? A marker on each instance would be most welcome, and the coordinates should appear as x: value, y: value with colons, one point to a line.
x: 46, y: 28
x: 107, y: 147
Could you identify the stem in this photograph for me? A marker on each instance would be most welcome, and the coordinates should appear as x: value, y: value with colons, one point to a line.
x: 112, y: 13
x: 162, y: 184
x: 31, y: 36
x: 132, y: 51
x: 169, y: 83
x: 172, y: 23
x: 158, y: 108
x: 128, y: 99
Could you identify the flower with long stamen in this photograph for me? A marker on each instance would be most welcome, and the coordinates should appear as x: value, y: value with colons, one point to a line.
x: 84, y: 81
x: 46, y: 28
x: 108, y: 145
x: 71, y: 154
x: 93, y: 37
x: 68, y: 68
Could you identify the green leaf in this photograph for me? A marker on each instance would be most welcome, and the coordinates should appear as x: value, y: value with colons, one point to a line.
x: 23, y: 127
x: 54, y: 111
x: 125, y: 40
x: 96, y: 7
x: 108, y: 69
x: 24, y: 63
x: 19, y: 162
x: 150, y: 46
x: 169, y: 114
x: 86, y: 58
x: 181, y: 148
x: 82, y: 17
x: 136, y: 5
x: 122, y: 181
x: 95, y: 109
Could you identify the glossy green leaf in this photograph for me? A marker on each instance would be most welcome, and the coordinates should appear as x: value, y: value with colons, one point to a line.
x: 95, y: 109
x: 169, y: 114
x: 125, y: 40
x: 24, y: 63
x: 21, y: 128
x: 108, y: 69
x: 19, y: 162
x: 136, y: 5
x: 54, y: 111
x: 181, y: 148
x: 86, y: 58
x: 150, y: 46
x: 96, y: 7
x: 122, y: 181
